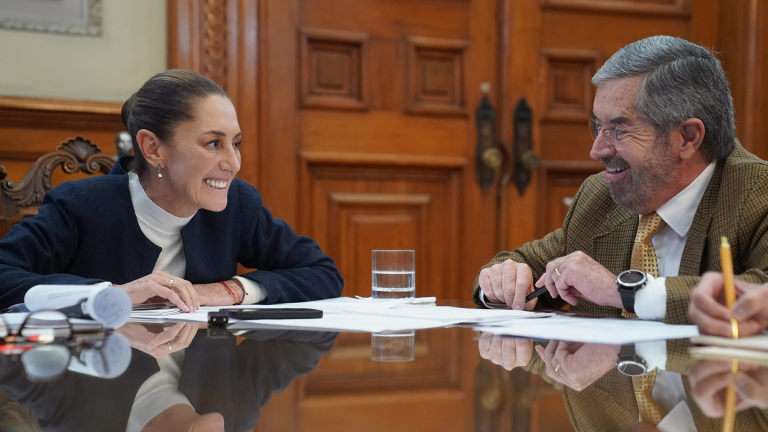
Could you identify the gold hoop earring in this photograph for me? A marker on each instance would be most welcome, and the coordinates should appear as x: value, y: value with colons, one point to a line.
x: 159, y: 174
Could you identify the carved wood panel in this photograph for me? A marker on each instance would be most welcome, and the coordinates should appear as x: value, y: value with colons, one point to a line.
x: 435, y: 81
x: 567, y: 87
x: 333, y: 69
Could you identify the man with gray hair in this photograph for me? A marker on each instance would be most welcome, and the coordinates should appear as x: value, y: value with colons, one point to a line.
x: 639, y: 235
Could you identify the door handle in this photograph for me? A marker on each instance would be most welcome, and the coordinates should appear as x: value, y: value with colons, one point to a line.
x: 526, y: 161
x: 488, y: 157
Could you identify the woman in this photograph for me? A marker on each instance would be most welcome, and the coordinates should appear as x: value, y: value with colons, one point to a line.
x: 172, y: 222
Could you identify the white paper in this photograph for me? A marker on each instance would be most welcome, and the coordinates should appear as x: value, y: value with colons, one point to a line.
x: 594, y: 330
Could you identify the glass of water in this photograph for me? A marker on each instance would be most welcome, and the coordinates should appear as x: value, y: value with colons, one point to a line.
x: 394, y: 274
x: 397, y: 346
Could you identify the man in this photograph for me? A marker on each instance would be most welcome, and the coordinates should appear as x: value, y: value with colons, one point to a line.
x: 676, y: 180
x: 665, y: 131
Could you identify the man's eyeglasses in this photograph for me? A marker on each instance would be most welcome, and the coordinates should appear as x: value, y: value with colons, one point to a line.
x: 611, y: 135
x: 37, y: 327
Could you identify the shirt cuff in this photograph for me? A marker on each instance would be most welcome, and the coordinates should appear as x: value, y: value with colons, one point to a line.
x: 490, y: 305
x: 254, y: 291
x: 651, y: 300
x: 654, y: 353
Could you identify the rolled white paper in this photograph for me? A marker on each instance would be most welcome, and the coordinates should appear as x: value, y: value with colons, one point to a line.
x: 108, y: 305
x: 109, y: 360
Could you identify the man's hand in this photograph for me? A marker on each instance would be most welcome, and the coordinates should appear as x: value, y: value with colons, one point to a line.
x: 580, y: 276
x: 579, y: 364
x: 707, y: 309
x: 508, y: 282
x: 709, y: 380
x: 505, y: 351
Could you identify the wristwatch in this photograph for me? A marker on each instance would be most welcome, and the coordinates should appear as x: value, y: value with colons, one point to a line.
x: 628, y: 283
x: 629, y: 363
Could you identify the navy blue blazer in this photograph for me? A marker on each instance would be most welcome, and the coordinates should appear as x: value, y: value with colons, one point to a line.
x: 86, y: 232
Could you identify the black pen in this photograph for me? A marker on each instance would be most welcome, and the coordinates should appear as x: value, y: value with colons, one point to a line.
x: 535, y: 294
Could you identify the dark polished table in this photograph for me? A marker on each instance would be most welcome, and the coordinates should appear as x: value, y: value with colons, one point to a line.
x: 188, y: 377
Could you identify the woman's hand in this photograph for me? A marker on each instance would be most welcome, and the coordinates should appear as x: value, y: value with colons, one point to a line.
x: 158, y: 284
x: 214, y: 294
x: 708, y: 312
x: 155, y: 341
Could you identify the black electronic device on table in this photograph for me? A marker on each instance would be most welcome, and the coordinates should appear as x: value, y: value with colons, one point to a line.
x: 260, y: 314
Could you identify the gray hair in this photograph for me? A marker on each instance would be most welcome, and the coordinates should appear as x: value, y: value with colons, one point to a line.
x: 680, y: 80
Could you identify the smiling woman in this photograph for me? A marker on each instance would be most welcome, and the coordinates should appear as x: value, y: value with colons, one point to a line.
x: 186, y: 221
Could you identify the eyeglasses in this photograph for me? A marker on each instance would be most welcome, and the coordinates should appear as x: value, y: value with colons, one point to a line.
x: 38, y: 327
x: 614, y: 133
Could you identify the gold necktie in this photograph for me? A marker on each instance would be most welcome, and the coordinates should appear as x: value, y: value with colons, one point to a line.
x: 644, y: 259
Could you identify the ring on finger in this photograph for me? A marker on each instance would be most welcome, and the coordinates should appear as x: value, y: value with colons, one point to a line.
x: 557, y: 368
x: 170, y: 348
x: 558, y: 272
x: 170, y: 284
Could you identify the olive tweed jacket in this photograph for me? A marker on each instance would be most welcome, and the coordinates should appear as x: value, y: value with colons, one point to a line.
x: 735, y: 204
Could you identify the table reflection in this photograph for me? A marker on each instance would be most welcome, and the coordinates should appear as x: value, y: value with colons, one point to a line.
x: 216, y: 383
x: 599, y: 395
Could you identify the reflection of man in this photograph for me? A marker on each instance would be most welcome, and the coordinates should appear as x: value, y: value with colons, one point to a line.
x: 676, y: 180
x: 598, y: 397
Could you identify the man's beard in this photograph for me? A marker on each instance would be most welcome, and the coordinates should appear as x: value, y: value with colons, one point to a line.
x: 634, y: 192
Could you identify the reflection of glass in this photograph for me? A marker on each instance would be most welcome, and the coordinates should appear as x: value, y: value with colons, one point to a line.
x: 394, y: 274
x: 393, y: 347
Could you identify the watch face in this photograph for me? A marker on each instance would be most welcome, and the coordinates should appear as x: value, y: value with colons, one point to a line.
x: 631, y: 368
x: 632, y: 277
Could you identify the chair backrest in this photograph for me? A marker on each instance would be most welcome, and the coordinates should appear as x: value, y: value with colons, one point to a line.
x: 23, y: 200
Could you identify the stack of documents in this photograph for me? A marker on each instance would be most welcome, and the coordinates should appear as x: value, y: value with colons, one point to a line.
x: 348, y: 314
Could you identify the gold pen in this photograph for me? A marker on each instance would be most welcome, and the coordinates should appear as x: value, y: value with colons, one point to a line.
x: 726, y: 264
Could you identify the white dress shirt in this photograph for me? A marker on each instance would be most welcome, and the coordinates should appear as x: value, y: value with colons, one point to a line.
x: 651, y: 300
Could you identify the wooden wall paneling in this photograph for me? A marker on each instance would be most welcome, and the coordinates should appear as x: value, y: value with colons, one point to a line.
x: 279, y: 118
x: 671, y: 8
x: 334, y: 67
x: 435, y: 82
x: 742, y: 42
x: 29, y: 128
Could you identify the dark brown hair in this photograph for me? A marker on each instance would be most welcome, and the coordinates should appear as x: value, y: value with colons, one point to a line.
x: 163, y: 102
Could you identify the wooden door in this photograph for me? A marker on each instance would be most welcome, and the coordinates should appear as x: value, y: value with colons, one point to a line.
x: 376, y: 145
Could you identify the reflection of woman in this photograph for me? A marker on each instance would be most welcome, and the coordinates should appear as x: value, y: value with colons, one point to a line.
x: 214, y: 381
x: 172, y: 222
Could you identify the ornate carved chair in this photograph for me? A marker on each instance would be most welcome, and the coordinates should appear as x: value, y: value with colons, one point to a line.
x: 23, y: 200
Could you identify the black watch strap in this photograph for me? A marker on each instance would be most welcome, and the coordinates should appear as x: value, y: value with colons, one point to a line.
x: 628, y: 299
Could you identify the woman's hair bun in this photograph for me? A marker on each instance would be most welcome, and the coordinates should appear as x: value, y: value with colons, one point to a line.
x: 125, y: 113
